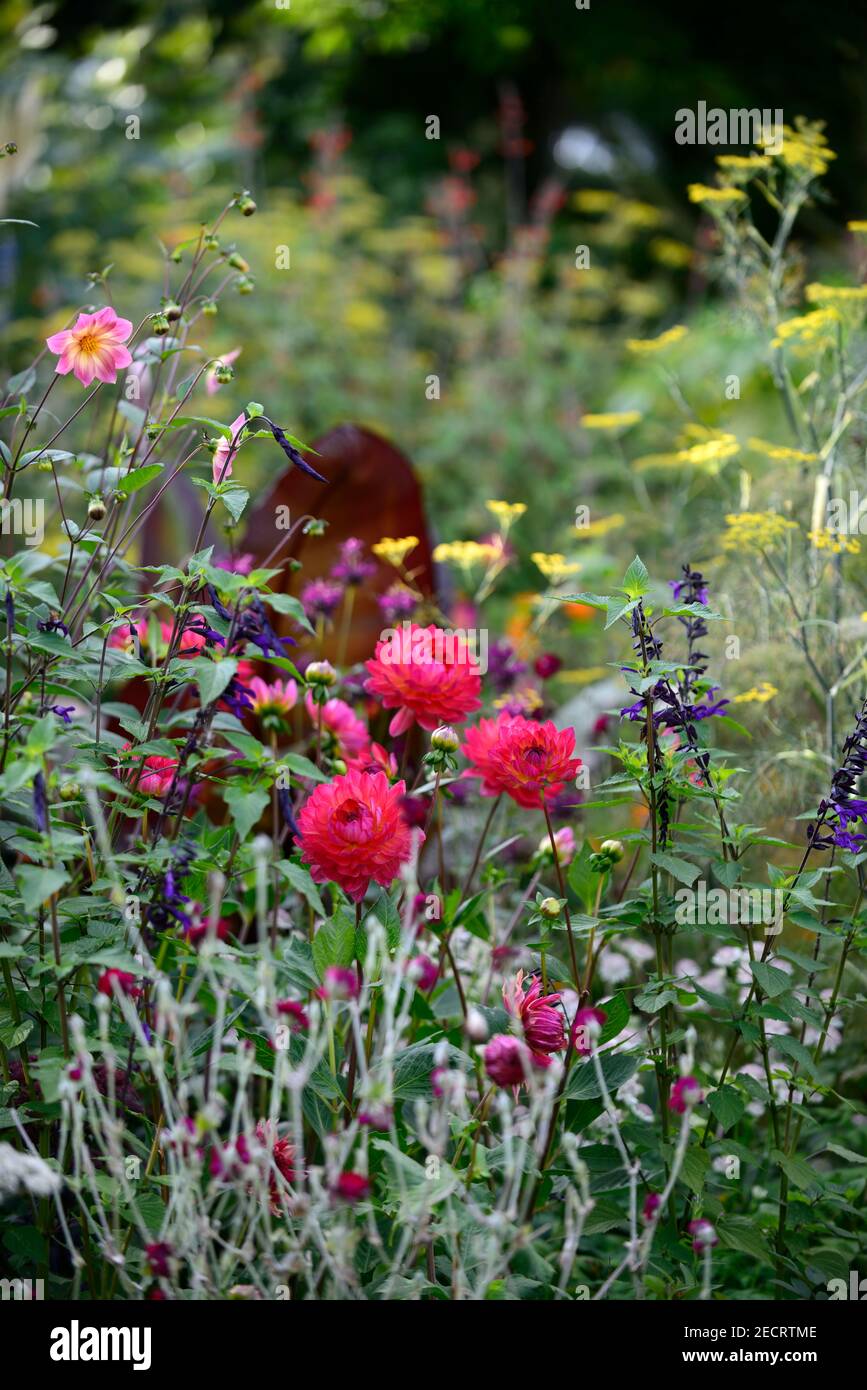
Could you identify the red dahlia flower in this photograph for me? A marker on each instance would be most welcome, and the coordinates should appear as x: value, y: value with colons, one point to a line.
x: 353, y: 830
x: 426, y: 674
x: 508, y: 1061
x: 541, y: 1020
x: 524, y: 758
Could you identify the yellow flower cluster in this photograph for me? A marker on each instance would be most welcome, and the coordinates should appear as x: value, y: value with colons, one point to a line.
x: 467, y: 554
x: 614, y: 420
x: 594, y: 200
x: 555, y: 567
x: 814, y: 330
x: 673, y: 254
x: 711, y: 197
x: 834, y: 543
x: 804, y: 150
x: 393, y: 551
x: 755, y: 530
x: 644, y: 347
x: 593, y: 529
x: 707, y: 456
x: 528, y: 698
x: 859, y: 226
x: 780, y: 452
x: 741, y: 167
x: 506, y: 512
x: 759, y: 695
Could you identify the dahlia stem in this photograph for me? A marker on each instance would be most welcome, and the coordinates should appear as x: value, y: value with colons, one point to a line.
x: 562, y: 885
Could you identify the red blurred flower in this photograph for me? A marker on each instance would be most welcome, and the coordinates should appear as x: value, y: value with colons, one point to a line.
x: 685, y: 1093
x: 524, y: 758
x: 508, y: 1061
x: 427, y: 675
x: 157, y: 775
x: 352, y: 830
x: 541, y: 1020
x: 351, y: 1187
x: 295, y: 1012
x: 197, y: 932
x: 581, y: 1029
x: 121, y: 980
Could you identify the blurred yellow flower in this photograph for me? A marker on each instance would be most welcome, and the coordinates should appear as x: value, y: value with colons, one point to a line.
x: 506, y: 512
x: 600, y: 527
x: 760, y: 694
x: 364, y: 316
x: 614, y: 420
x: 595, y: 200
x: 755, y: 531
x: 706, y: 457
x: 555, y: 567
x: 394, y: 552
x: 669, y: 252
x: 467, y: 554
x: 780, y: 452
x: 804, y: 150
x: 643, y: 347
x: 715, y: 197
x: 834, y: 542
x: 857, y: 226
x: 739, y: 166
x: 817, y: 329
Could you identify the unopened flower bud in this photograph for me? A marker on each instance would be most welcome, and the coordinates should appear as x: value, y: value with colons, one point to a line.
x: 44, y: 466
x: 96, y: 509
x: 69, y: 791
x: 211, y: 243
x: 339, y: 766
x: 10, y: 147
x: 237, y: 262
x: 172, y: 311
x: 159, y: 325
x: 209, y: 308
x: 614, y: 850
x: 321, y: 673
x: 550, y: 907
x: 245, y: 284
x: 246, y: 205
x: 223, y: 373
x: 444, y: 739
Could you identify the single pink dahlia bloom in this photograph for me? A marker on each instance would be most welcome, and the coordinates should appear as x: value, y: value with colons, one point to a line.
x: 428, y: 676
x: 340, y: 720
x: 541, y: 1020
x: 353, y: 830
x: 94, y: 347
x: 524, y: 758
x: 277, y: 698
x: 509, y: 1061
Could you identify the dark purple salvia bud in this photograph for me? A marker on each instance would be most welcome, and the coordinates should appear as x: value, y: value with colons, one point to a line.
x: 40, y: 803
x: 284, y: 801
x: 236, y: 697
x: 53, y: 625
x: 843, y: 806
x: 293, y: 455
x: 10, y: 613
x: 218, y: 606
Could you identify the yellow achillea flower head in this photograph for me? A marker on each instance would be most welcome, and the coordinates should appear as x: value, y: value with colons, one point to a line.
x: 555, y: 567
x: 708, y: 456
x: 759, y: 695
x: 613, y: 420
x: 804, y: 150
x: 859, y: 226
x: 755, y: 531
x: 506, y: 512
x: 467, y: 554
x: 600, y: 527
x: 781, y: 452
x: 814, y: 330
x: 834, y: 542
x: 393, y: 551
x: 528, y: 699
x: 644, y: 347
x: 712, y: 198
x: 743, y: 166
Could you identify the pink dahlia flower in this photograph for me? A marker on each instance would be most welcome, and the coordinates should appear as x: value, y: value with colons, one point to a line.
x: 157, y: 774
x: 582, y: 1029
x: 122, y: 981
x: 427, y: 675
x: 352, y: 830
x: 223, y: 464
x: 94, y: 347
x: 524, y: 758
x: 278, y: 698
x: 540, y: 1019
x: 685, y: 1093
x: 340, y: 720
x: 508, y: 1061
x: 351, y: 1187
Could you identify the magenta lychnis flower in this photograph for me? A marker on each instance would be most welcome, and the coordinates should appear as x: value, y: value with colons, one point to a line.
x: 94, y: 347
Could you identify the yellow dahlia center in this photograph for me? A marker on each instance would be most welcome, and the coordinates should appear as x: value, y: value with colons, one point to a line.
x: 89, y: 343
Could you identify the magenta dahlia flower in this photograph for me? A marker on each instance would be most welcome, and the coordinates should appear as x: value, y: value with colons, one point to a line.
x: 524, y: 758
x: 540, y: 1019
x: 353, y: 830
x: 427, y: 675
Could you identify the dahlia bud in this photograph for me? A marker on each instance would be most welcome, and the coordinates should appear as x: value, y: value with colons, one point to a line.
x: 245, y: 284
x: 211, y: 243
x: 172, y: 310
x: 237, y: 262
x: 321, y: 673
x: 45, y: 466
x: 10, y: 147
x: 476, y: 1026
x: 159, y: 325
x: 444, y: 739
x: 339, y: 767
x: 613, y: 849
x: 550, y: 907
x: 246, y: 205
x: 69, y: 791
x: 209, y: 308
x: 96, y: 508
x: 223, y: 373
